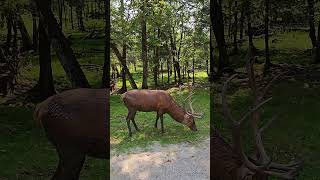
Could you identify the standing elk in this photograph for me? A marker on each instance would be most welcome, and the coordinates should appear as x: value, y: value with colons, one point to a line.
x: 161, y: 102
x: 75, y: 122
x: 231, y: 162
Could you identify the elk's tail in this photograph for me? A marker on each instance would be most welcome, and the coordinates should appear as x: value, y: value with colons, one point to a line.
x: 39, y: 113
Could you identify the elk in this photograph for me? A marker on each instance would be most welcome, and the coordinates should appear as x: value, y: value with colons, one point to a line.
x: 161, y: 102
x: 75, y: 122
x: 231, y: 162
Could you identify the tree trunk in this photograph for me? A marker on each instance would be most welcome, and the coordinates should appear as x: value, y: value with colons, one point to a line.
x: 266, y: 39
x: 26, y: 40
x: 45, y: 83
x: 156, y: 62
x: 193, y: 81
x: 162, y: 73
x: 106, y: 66
x: 62, y: 47
x: 35, y: 31
x: 123, y: 71
x: 124, y: 65
x: 79, y: 10
x: 235, y: 28
x: 60, y: 13
x: 15, y: 34
x: 242, y: 21
x: 216, y: 17
x: 9, y: 30
x: 71, y: 17
x: 168, y: 69
x: 250, y: 35
x: 212, y: 63
x: 312, y: 33
x: 144, y: 47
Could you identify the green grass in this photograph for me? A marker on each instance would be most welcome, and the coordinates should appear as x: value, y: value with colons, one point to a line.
x: 174, y: 131
x: 294, y: 134
x: 25, y: 152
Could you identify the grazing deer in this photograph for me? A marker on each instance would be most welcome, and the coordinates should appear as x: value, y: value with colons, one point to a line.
x: 231, y: 162
x: 75, y: 122
x: 161, y: 102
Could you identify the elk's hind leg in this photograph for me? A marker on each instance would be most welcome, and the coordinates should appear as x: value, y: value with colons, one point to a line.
x: 134, y: 122
x: 128, y: 122
x: 162, y: 129
x: 70, y: 163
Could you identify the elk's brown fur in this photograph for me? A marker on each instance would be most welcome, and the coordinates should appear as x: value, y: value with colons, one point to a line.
x: 155, y: 100
x: 75, y: 122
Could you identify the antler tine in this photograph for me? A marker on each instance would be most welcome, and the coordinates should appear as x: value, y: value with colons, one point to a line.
x: 268, y: 86
x: 225, y: 107
x: 256, y: 108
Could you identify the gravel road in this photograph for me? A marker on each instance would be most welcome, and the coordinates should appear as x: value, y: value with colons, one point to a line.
x: 187, y: 161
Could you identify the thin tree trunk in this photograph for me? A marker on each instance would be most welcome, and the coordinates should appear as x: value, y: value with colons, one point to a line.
x: 35, y: 31
x: 26, y: 40
x: 9, y: 30
x: 312, y: 32
x: 168, y: 69
x: 212, y: 63
x: 250, y: 35
x: 266, y: 39
x: 162, y: 73
x: 193, y: 81
x: 106, y: 66
x: 123, y: 63
x: 144, y: 47
x: 218, y: 29
x: 79, y: 10
x: 60, y: 13
x: 62, y: 47
x: 123, y: 71
x: 235, y: 26
x: 242, y: 21
x: 71, y: 17
x: 45, y: 83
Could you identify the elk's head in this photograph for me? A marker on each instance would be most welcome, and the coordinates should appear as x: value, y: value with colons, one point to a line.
x: 188, y: 120
x: 190, y: 114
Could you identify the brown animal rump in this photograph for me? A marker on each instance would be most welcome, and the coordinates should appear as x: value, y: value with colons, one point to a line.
x: 75, y: 122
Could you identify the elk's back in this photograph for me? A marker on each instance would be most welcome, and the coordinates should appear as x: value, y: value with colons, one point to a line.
x: 147, y: 100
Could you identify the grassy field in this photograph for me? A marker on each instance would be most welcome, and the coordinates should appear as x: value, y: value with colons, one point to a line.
x: 174, y: 131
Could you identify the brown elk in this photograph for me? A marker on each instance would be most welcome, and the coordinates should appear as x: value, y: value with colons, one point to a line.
x: 159, y: 101
x: 231, y: 162
x: 75, y: 122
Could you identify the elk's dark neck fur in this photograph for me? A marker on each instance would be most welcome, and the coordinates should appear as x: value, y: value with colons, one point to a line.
x: 176, y: 112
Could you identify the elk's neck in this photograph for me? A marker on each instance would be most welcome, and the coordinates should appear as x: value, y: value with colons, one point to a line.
x: 176, y: 112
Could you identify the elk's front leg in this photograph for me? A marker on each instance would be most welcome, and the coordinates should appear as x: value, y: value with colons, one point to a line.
x: 156, y: 124
x: 162, y: 129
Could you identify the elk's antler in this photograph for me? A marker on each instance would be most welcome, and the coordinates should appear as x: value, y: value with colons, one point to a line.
x: 264, y: 166
x: 190, y: 101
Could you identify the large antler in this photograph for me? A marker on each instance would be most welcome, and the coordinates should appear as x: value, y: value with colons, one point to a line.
x: 190, y: 101
x: 263, y: 164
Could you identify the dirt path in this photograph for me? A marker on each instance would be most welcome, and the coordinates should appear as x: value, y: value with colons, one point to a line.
x: 164, y: 162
